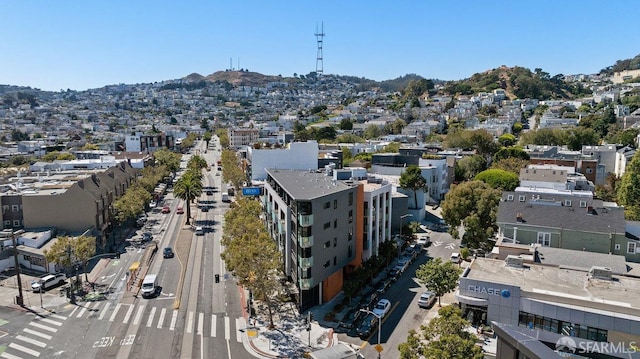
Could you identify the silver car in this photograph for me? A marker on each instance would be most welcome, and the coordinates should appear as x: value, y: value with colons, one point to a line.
x: 427, y: 299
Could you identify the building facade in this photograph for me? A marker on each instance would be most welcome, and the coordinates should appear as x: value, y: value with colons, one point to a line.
x: 239, y: 137
x: 312, y: 218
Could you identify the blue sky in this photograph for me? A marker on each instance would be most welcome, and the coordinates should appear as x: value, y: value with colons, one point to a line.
x: 55, y: 45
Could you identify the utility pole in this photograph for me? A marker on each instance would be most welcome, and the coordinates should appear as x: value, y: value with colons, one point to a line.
x: 19, y: 298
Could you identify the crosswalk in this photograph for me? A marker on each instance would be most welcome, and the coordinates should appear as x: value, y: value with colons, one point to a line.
x: 212, y: 325
x: 34, y: 337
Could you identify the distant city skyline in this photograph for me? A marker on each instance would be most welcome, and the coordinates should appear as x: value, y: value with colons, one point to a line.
x: 80, y: 45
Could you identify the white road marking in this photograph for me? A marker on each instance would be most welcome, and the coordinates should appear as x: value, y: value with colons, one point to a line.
x: 24, y: 349
x: 138, y: 316
x: 9, y: 356
x: 49, y: 321
x: 115, y: 312
x: 161, y: 320
x: 49, y: 329
x: 239, y: 325
x: 151, y: 315
x: 41, y: 335
x: 227, y: 334
x: 450, y: 246
x: 173, y: 320
x: 81, y: 312
x: 58, y: 316
x: 213, y: 325
x: 128, y: 315
x: 190, y: 322
x: 73, y: 311
x: 31, y: 341
x: 200, y: 323
x: 104, y: 311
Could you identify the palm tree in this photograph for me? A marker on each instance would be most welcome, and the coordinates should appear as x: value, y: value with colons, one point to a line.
x: 188, y: 188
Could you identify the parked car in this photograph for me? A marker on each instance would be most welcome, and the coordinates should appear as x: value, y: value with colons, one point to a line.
x: 179, y: 210
x: 384, y: 285
x: 351, y: 319
x: 368, y: 326
x: 166, y: 209
x: 147, y: 236
x: 424, y: 241
x: 394, y: 274
x: 204, y: 209
x: 402, y: 265
x: 455, y: 257
x: 168, y: 252
x: 427, y: 299
x: 48, y: 281
x: 382, y: 308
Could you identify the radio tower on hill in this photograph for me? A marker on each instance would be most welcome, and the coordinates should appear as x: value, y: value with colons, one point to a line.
x: 319, y: 39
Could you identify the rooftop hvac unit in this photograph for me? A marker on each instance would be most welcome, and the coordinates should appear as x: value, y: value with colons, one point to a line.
x: 598, y: 272
x: 513, y: 261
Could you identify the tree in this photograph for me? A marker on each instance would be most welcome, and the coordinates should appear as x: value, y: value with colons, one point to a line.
x: 223, y: 136
x: 132, y: 203
x: 474, y: 205
x: 188, y: 188
x: 511, y: 164
x: 628, y: 192
x: 207, y: 137
x: 580, y: 136
x: 346, y: 124
x: 66, y: 251
x: 507, y: 139
x: 438, y: 276
x: 448, y: 338
x: 468, y: 167
x: 507, y: 152
x: 249, y: 252
x: 231, y: 170
x: 412, y: 179
x: 499, y: 179
x: 167, y: 158
x: 197, y: 163
x: 326, y: 133
x: 372, y: 132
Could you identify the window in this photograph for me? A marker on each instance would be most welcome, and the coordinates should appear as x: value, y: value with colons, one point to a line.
x: 327, y: 225
x: 335, y: 241
x: 7, y: 224
x: 350, y: 237
x: 15, y: 208
x: 589, y: 170
x: 335, y: 204
x: 335, y: 260
x: 5, y: 208
x: 327, y: 244
x: 350, y: 216
x: 583, y: 204
x: 631, y: 247
x: 544, y: 239
x: 351, y: 199
x: 510, y: 197
x: 327, y: 205
x: 16, y: 223
x: 335, y: 223
x: 521, y: 198
x: 567, y: 202
x: 326, y: 264
x: 617, y: 246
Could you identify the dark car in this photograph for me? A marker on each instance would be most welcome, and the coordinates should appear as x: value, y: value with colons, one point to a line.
x: 368, y: 326
x: 205, y: 209
x: 168, y: 252
x: 351, y: 319
x: 147, y: 236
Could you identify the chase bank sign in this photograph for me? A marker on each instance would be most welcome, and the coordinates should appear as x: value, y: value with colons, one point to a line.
x: 504, y: 293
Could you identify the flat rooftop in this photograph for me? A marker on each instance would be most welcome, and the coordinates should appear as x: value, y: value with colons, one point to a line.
x: 307, y: 184
x: 570, y: 284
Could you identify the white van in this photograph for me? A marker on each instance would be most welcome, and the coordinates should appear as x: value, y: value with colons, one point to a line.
x: 48, y: 282
x: 199, y: 231
x: 455, y: 257
x: 149, y: 285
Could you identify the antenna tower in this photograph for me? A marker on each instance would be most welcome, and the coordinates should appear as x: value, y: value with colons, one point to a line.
x: 319, y: 39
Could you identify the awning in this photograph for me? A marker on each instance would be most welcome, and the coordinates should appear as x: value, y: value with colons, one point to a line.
x: 471, y: 300
x: 134, y: 267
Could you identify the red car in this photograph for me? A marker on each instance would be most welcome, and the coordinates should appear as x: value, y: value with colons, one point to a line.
x: 166, y: 209
x: 179, y: 210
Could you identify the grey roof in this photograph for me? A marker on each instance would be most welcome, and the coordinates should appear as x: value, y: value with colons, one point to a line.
x: 308, y: 185
x: 581, y: 259
x: 550, y: 212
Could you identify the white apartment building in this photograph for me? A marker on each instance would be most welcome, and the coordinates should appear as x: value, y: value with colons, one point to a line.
x: 295, y: 156
x: 377, y: 215
x: 239, y: 137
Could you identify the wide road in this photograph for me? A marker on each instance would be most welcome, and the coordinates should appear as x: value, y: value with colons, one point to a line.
x: 205, y: 321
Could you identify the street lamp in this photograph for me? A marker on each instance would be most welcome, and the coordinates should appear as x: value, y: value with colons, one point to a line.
x: 379, y: 326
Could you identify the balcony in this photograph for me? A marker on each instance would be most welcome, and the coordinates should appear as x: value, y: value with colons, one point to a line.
x: 305, y: 220
x: 305, y: 262
x: 305, y: 242
x: 306, y: 284
x: 280, y: 226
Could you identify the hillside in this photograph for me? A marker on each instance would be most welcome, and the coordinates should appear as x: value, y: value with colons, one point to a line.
x: 622, y: 65
x: 244, y: 78
x: 518, y: 82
